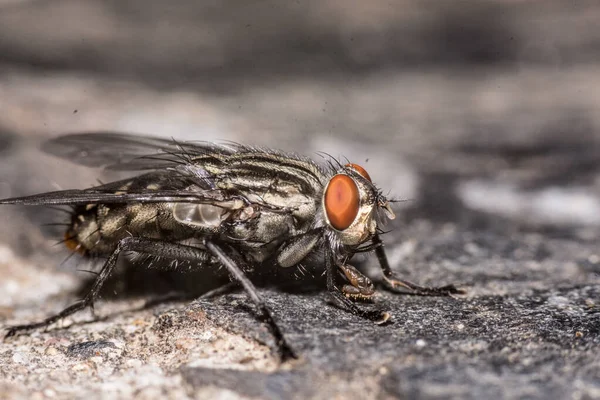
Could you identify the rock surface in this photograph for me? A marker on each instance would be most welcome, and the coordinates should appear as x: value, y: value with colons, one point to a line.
x: 486, y: 117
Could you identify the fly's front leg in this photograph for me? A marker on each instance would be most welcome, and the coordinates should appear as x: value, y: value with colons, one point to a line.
x: 396, y: 284
x: 296, y: 249
x: 360, y: 288
x: 341, y: 300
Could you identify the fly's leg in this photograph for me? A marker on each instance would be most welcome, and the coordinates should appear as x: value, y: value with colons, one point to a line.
x: 148, y: 246
x: 238, y: 275
x: 87, y: 301
x: 297, y: 248
x: 395, y: 284
x: 360, y: 288
x: 342, y: 301
x: 174, y: 251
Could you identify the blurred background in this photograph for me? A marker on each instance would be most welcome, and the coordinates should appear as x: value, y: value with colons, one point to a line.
x: 484, y: 113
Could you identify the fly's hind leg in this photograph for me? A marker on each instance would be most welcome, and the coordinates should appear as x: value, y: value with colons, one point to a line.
x: 178, y: 252
x: 141, y: 245
x: 398, y: 285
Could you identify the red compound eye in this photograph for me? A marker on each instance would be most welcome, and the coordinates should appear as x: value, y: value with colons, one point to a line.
x: 360, y: 170
x: 342, y: 201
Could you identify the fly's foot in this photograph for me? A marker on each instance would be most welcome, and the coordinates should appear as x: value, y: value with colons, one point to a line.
x: 80, y: 305
x: 385, y: 317
x: 405, y: 287
x: 286, y: 353
x: 354, y: 293
x: 378, y: 317
x: 16, y: 329
x: 13, y: 330
x: 361, y: 288
x: 341, y: 300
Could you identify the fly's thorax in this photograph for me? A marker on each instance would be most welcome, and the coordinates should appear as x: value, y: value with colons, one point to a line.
x: 350, y: 202
x: 256, y: 228
x: 302, y: 207
x: 258, y: 234
x: 275, y: 193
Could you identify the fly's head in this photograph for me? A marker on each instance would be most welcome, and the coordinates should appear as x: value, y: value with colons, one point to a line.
x: 353, y: 206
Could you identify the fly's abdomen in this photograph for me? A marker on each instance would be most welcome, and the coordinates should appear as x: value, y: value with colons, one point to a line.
x: 83, y: 233
x: 97, y: 228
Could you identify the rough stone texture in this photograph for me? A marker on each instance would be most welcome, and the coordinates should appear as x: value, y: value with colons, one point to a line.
x: 484, y: 115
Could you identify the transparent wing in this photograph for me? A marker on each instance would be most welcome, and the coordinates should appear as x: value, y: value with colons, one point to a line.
x: 234, y: 166
x: 122, y: 151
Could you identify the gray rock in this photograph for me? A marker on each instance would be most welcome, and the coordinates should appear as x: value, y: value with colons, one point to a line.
x: 484, y: 116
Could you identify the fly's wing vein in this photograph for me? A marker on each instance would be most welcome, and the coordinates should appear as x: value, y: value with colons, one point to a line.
x: 92, y: 196
x: 128, y: 151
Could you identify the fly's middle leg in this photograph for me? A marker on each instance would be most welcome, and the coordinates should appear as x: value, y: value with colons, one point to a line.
x: 395, y: 284
x: 238, y: 275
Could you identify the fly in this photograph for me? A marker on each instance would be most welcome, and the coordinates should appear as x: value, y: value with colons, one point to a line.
x: 225, y: 205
